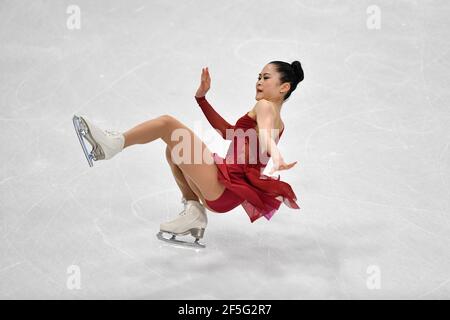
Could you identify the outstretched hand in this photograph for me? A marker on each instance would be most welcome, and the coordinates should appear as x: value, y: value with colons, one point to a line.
x: 281, y: 165
x: 205, y: 83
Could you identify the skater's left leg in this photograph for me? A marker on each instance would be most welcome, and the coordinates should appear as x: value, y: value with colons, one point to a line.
x: 146, y: 131
x: 203, y: 174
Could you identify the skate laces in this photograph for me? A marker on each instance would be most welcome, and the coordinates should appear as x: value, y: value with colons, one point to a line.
x: 183, y: 212
x: 110, y: 132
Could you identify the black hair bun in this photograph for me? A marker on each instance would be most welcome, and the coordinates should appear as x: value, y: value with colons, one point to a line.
x: 298, y: 71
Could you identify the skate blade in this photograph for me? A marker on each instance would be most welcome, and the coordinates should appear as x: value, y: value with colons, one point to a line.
x: 76, y: 124
x: 172, y: 240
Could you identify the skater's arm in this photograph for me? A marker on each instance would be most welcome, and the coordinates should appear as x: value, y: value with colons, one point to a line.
x: 265, y: 115
x: 214, y: 118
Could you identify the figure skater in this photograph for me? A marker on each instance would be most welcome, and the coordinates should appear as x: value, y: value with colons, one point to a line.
x: 214, y: 183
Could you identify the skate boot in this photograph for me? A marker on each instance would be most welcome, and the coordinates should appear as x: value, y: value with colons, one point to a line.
x: 192, y: 220
x: 105, y: 144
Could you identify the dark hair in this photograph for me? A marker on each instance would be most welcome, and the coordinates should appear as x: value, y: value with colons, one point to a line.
x: 292, y: 73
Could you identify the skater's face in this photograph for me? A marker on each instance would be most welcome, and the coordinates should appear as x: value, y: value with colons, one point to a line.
x: 268, y: 85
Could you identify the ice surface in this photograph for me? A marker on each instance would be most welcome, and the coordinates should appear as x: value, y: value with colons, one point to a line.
x: 369, y: 127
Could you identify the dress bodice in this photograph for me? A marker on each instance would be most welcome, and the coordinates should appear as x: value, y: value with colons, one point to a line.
x: 241, y: 170
x: 245, y: 148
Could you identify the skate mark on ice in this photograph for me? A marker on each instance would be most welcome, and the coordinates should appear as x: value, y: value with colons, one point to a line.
x: 443, y: 283
x: 139, y: 9
x: 320, y: 127
x: 7, y: 179
x: 443, y: 213
x: 112, y: 84
x: 11, y: 266
x: 107, y: 242
x: 38, y: 270
x: 329, y: 263
x: 63, y: 80
x: 135, y: 201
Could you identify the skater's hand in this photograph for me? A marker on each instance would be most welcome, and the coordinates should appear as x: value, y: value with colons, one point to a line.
x: 205, y: 83
x: 279, y: 165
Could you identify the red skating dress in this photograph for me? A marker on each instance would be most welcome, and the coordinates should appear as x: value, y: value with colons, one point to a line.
x: 241, y: 172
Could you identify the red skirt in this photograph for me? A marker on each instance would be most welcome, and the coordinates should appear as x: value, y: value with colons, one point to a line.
x: 260, y: 194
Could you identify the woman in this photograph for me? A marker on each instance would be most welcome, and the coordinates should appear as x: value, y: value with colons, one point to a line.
x: 220, y: 184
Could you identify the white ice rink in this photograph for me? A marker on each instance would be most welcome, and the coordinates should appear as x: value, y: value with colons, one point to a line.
x: 369, y: 127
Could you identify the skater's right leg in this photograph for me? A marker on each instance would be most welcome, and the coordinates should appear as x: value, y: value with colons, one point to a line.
x: 180, y: 179
x: 188, y: 188
x: 193, y: 218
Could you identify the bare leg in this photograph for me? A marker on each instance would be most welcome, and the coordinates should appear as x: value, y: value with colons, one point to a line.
x: 145, y: 132
x: 186, y: 190
x: 203, y: 175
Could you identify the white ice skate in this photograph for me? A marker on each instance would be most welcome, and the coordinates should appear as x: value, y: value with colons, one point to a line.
x: 192, y: 220
x: 105, y: 144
